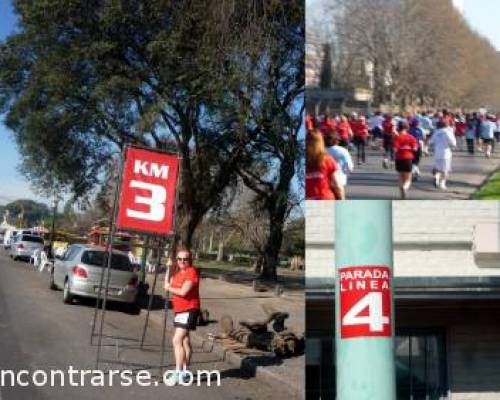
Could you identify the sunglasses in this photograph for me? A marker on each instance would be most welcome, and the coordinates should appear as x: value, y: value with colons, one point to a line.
x: 182, y: 258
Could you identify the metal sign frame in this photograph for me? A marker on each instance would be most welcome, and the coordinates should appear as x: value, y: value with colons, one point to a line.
x: 106, y: 270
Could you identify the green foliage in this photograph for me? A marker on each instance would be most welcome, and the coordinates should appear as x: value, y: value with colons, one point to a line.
x: 32, y: 212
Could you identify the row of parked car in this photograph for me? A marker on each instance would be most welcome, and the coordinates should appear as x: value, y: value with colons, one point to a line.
x: 77, y: 272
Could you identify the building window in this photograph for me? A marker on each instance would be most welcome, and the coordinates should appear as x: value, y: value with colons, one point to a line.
x: 420, y: 365
x: 320, y: 368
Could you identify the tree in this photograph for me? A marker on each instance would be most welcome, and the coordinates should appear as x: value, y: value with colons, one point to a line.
x: 82, y: 79
x: 277, y: 149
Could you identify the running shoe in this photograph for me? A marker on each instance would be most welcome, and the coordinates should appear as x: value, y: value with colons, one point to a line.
x: 173, y: 378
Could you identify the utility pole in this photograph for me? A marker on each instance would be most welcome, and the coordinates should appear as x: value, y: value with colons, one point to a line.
x: 364, y: 311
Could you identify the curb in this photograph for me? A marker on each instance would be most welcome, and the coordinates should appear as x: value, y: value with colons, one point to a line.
x: 246, y: 365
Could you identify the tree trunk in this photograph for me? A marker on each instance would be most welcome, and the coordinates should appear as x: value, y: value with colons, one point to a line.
x: 220, y: 250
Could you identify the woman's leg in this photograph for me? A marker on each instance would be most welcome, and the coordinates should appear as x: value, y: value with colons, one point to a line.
x: 178, y: 343
x: 363, y: 151
x: 186, y: 343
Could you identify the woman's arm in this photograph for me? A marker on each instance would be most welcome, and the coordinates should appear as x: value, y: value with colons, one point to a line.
x: 182, y: 291
x: 338, y: 189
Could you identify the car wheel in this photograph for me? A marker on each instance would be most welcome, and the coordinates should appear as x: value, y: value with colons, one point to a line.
x: 52, y: 285
x: 67, y: 296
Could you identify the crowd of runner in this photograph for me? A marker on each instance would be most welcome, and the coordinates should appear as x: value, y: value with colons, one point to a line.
x: 403, y: 139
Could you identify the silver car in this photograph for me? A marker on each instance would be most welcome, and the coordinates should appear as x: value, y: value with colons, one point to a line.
x: 78, y: 274
x: 23, y: 246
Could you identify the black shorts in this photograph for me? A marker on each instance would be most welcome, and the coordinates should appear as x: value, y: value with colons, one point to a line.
x: 387, y: 142
x: 404, y: 165
x: 187, y: 319
x: 487, y: 141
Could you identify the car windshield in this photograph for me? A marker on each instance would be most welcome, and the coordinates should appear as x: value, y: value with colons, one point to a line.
x: 35, y: 239
x: 97, y: 258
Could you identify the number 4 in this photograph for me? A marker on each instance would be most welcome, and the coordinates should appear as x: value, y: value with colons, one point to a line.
x: 374, y: 319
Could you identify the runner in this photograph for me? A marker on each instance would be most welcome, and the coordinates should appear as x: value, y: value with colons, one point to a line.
x: 442, y: 142
x: 342, y: 158
x: 389, y: 132
x: 360, y: 131
x: 460, y: 128
x: 487, y: 134
x: 321, y: 181
x: 344, y: 131
x: 470, y: 133
x: 184, y: 286
x: 418, y: 134
x: 375, y: 126
x: 405, y: 147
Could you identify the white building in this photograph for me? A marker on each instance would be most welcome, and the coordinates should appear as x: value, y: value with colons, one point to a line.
x: 447, y: 296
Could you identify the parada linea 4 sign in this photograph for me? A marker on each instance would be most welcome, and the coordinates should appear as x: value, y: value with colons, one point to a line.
x: 365, y: 301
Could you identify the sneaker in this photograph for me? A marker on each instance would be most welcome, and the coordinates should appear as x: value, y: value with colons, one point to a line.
x: 186, y: 376
x: 403, y: 192
x: 173, y: 378
x: 385, y: 163
x: 443, y: 185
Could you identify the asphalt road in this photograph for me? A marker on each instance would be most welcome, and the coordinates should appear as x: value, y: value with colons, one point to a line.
x: 372, y: 181
x: 38, y: 331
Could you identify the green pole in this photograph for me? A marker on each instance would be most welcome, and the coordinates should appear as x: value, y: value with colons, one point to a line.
x: 364, y: 309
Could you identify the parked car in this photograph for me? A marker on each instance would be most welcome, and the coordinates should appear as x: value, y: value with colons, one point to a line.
x: 23, y: 246
x: 7, y: 237
x: 78, y: 274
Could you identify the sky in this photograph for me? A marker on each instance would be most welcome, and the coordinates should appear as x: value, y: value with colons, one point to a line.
x: 482, y: 15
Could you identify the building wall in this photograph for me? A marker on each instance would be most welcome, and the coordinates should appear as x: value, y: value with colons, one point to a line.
x: 431, y: 238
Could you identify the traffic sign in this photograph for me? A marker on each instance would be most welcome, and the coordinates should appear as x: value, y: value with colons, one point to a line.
x: 365, y: 301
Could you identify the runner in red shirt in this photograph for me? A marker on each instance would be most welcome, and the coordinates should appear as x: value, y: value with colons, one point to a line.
x: 405, y: 147
x: 321, y: 180
x: 184, y: 286
x: 309, y: 122
x: 344, y: 131
x: 388, y: 134
x: 327, y: 125
x: 360, y: 131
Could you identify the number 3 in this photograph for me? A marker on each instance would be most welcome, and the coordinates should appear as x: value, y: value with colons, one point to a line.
x: 156, y: 202
x: 375, y: 319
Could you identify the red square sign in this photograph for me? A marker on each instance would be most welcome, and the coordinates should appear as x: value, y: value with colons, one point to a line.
x: 147, y: 196
x: 365, y: 301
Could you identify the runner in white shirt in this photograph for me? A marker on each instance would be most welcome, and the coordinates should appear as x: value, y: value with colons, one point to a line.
x: 442, y: 141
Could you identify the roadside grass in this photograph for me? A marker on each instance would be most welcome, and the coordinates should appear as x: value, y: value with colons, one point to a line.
x: 490, y: 190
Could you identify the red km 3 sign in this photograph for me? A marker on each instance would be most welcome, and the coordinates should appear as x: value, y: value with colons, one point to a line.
x: 365, y: 301
x: 147, y: 197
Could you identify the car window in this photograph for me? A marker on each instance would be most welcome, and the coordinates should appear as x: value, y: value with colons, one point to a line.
x: 36, y: 239
x: 97, y: 258
x: 70, y: 253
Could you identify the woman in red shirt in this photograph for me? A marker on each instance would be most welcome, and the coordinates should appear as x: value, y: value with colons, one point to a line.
x: 360, y: 130
x: 344, y: 131
x: 321, y: 180
x: 388, y: 134
x: 184, y: 286
x: 405, y: 147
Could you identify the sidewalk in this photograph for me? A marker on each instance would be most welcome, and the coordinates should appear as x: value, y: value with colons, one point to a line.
x: 241, y: 302
x: 372, y: 181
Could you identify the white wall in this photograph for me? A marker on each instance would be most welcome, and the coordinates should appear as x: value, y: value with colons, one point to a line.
x: 431, y: 238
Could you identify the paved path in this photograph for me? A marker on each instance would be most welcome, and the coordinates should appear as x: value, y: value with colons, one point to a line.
x: 38, y: 331
x: 372, y: 181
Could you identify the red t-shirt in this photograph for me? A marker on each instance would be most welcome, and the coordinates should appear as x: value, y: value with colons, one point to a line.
x: 191, y: 300
x: 309, y: 122
x: 388, y: 127
x: 360, y: 129
x: 318, y: 183
x: 405, y: 145
x: 343, y: 130
x: 327, y: 125
x: 460, y: 128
